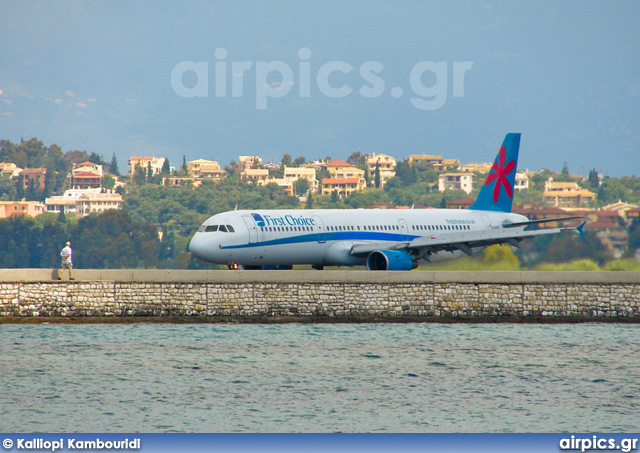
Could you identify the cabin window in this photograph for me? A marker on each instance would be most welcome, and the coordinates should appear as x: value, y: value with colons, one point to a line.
x: 211, y: 228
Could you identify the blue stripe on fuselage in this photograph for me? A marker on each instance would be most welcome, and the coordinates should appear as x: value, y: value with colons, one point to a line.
x: 330, y: 236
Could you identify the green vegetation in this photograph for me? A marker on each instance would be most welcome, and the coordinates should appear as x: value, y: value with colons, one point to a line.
x: 107, y: 240
x: 501, y: 258
x: 156, y: 222
x: 494, y: 258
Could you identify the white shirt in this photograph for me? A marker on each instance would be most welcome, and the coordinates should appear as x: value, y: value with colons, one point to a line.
x: 66, y: 255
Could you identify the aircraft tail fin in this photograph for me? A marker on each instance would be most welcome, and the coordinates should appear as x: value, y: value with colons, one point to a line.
x: 497, y: 192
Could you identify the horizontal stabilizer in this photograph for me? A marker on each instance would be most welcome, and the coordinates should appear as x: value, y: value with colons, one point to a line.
x: 535, y: 222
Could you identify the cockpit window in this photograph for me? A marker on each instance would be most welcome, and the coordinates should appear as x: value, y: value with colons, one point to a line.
x: 219, y: 228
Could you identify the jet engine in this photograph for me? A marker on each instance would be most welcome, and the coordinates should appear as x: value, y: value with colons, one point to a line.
x: 390, y: 260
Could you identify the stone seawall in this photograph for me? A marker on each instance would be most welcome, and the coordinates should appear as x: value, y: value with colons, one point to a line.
x: 316, y: 296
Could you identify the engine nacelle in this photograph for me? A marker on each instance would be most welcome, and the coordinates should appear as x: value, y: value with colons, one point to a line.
x: 390, y: 260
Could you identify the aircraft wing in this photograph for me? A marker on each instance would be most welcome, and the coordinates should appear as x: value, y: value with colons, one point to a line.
x: 464, y: 241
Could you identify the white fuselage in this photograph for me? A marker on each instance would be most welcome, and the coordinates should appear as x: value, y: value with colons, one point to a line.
x: 325, y: 237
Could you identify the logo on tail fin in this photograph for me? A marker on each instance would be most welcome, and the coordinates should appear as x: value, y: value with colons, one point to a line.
x: 500, y: 176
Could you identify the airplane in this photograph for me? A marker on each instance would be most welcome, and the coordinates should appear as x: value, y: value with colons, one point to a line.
x: 381, y: 239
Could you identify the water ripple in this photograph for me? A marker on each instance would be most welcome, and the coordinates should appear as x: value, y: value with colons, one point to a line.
x: 320, y: 378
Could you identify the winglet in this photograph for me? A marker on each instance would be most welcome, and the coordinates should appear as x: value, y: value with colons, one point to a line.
x: 497, y: 192
x: 580, y: 228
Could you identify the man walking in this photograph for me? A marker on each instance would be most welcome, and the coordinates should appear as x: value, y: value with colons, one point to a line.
x: 66, y: 261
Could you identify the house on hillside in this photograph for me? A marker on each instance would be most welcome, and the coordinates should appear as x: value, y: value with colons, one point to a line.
x: 156, y: 164
x: 456, y: 181
x: 205, y: 169
x: 35, y: 175
x: 9, y: 169
x: 343, y: 186
x: 566, y: 195
x: 20, y: 209
x: 86, y: 175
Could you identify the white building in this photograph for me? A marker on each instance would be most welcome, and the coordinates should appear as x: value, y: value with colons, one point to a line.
x: 83, y: 202
x: 156, y: 164
x: 453, y: 181
x: 522, y: 181
x: 292, y: 174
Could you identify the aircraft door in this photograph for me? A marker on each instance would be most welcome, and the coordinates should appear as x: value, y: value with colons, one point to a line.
x: 404, y: 231
x: 251, y: 228
x: 320, y: 230
x: 487, y: 221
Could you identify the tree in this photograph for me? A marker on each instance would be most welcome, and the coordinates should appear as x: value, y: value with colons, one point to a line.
x: 301, y: 186
x: 139, y: 175
x: 366, y: 198
x: 61, y: 217
x: 97, y: 159
x: 75, y: 157
x: 612, y: 190
x: 113, y: 166
x: 7, y: 188
x: 299, y: 161
x: 310, y: 201
x: 502, y: 256
x: 166, y: 167
x: 286, y: 160
x: 32, y: 193
x: 20, y: 188
x: 108, y: 181
x: 358, y: 159
x: 377, y: 176
x: 49, y: 179
x: 232, y: 168
x: 594, y: 179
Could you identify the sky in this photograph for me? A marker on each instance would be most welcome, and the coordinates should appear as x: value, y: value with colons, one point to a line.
x: 214, y: 80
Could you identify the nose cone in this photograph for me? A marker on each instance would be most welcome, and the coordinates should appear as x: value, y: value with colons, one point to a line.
x: 197, y: 246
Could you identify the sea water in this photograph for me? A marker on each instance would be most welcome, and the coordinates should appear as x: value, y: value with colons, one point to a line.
x: 319, y: 378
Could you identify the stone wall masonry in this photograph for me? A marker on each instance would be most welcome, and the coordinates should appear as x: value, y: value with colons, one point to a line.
x: 298, y: 296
